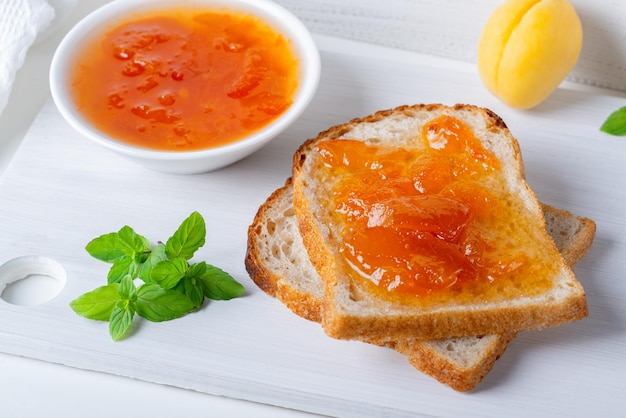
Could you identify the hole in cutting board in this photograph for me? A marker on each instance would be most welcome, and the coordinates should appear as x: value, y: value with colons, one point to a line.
x: 31, y: 280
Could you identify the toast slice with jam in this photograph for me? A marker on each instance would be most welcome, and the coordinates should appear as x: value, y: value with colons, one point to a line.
x: 278, y: 263
x: 421, y: 226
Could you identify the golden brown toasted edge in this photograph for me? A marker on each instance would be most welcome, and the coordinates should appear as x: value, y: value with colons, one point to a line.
x: 426, y: 359
x: 344, y: 325
x: 454, y: 322
x: 302, y: 304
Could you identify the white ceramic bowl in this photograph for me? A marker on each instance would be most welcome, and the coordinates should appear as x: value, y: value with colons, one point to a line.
x: 186, y: 162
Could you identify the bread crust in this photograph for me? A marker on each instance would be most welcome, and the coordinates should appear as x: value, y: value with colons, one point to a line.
x: 262, y: 277
x: 343, y: 320
x: 425, y: 357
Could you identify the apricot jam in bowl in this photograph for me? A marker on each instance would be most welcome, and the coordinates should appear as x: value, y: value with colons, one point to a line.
x: 185, y: 86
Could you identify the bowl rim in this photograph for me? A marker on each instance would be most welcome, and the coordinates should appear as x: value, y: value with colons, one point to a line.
x: 275, y: 15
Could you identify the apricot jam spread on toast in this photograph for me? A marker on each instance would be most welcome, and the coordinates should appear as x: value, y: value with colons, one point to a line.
x: 426, y: 224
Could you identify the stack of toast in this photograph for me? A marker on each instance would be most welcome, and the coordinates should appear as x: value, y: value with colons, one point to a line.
x: 293, y: 254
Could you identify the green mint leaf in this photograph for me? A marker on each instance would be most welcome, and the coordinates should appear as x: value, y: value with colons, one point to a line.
x: 106, y: 248
x: 169, y: 272
x: 219, y: 285
x: 192, y: 283
x: 115, y: 245
x: 134, y: 242
x: 156, y: 255
x: 97, y: 304
x: 196, y: 269
x: 121, y: 320
x: 172, y: 287
x: 189, y: 236
x: 156, y: 304
x: 122, y: 267
x: 615, y: 124
x: 127, y: 289
x: 193, y: 290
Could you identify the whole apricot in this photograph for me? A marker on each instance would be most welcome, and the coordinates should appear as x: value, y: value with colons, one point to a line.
x: 527, y: 48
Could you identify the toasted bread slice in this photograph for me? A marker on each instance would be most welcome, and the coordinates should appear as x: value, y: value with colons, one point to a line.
x: 353, y: 311
x: 278, y: 263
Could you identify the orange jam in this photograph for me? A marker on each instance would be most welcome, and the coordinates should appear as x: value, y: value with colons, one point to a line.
x: 185, y: 79
x: 422, y: 224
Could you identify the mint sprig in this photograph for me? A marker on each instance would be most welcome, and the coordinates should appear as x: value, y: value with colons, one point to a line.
x: 615, y: 124
x: 156, y: 282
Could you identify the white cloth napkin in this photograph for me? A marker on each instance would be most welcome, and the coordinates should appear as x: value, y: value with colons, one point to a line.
x: 20, y: 23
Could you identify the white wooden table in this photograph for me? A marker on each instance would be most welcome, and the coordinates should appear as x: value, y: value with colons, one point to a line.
x: 31, y: 387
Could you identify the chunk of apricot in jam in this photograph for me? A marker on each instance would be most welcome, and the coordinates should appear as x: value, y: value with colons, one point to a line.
x: 451, y: 136
x: 413, y: 262
x: 419, y: 222
x: 440, y: 216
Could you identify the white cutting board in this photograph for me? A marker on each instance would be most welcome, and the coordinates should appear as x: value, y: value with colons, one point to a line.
x: 60, y: 191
